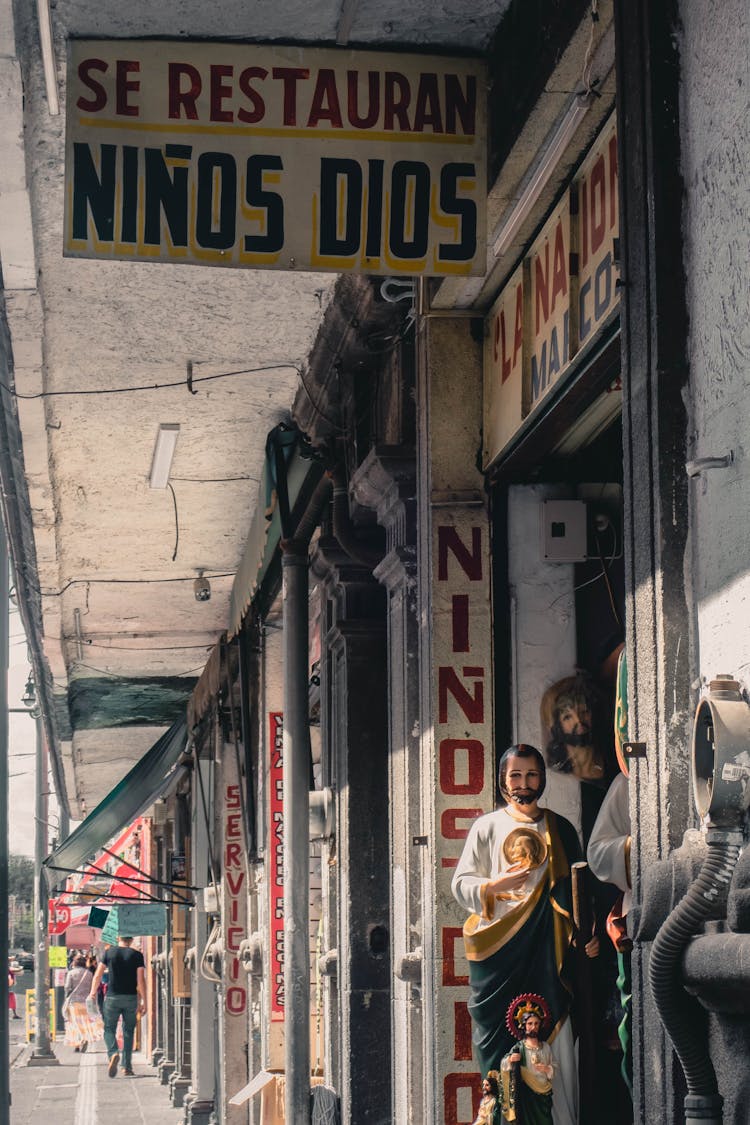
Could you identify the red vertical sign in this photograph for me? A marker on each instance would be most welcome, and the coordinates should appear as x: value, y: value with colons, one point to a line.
x: 276, y: 862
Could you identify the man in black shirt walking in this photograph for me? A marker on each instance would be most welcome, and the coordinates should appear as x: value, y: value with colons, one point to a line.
x: 126, y: 997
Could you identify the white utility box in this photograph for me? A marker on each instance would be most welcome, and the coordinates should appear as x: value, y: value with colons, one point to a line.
x: 563, y: 531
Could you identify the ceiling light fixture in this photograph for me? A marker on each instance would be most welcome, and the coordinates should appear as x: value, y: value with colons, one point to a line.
x: 541, y: 173
x: 161, y: 465
x: 48, y: 56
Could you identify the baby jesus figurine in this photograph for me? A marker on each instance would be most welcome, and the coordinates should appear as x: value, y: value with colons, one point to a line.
x: 523, y: 851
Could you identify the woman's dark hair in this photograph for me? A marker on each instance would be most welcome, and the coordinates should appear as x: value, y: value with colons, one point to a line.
x: 79, y: 961
x: 522, y: 750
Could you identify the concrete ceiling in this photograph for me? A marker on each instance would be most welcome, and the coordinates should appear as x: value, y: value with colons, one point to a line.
x: 124, y: 637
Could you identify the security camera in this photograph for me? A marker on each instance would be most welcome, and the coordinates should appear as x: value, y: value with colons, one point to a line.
x: 202, y: 588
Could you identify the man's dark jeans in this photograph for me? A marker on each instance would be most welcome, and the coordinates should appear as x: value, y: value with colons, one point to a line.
x: 114, y: 1007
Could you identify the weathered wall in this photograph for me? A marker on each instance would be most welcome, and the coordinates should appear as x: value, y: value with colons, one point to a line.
x: 715, y: 117
x: 543, y: 630
x: 715, y: 138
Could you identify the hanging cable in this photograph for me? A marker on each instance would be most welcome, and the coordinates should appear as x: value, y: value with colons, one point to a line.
x: 176, y: 522
x: 150, y: 386
x: 204, y: 969
x: 120, y: 582
x: 605, y: 572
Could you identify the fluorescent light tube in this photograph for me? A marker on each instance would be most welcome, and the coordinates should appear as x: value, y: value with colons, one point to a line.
x: 161, y: 465
x: 547, y: 160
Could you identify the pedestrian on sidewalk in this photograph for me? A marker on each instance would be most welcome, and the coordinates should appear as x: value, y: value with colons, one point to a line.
x: 126, y: 997
x: 12, y: 1003
x: 81, y: 1028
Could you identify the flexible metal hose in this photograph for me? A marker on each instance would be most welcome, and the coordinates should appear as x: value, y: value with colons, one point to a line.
x: 682, y: 1017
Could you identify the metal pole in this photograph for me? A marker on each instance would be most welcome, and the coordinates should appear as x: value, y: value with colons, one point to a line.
x: 4, y: 1027
x: 296, y: 833
x: 42, y: 1054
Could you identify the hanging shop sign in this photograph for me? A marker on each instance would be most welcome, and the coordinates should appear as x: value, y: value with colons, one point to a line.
x: 274, y: 157
x: 556, y: 301
x: 276, y: 863
x: 138, y: 919
x: 234, y: 893
x: 58, y: 957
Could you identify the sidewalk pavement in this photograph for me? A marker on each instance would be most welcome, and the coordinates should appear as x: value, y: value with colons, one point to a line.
x: 79, y: 1091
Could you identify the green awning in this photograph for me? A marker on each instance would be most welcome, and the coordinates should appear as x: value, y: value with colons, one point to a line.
x: 265, y: 530
x: 148, y: 780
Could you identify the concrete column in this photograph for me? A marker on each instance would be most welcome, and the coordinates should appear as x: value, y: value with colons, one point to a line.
x: 43, y: 1055
x: 659, y: 626
x: 233, y: 993
x: 456, y: 688
x: 356, y: 738
x: 296, y: 833
x: 386, y: 483
x: 199, y: 1101
x: 167, y: 1064
x: 270, y: 832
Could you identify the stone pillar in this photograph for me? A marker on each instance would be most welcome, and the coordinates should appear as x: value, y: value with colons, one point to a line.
x: 355, y: 734
x: 233, y: 991
x: 166, y: 1067
x: 179, y: 1083
x: 157, y: 1053
x: 659, y: 626
x: 456, y: 689
x: 386, y: 483
x: 199, y: 1101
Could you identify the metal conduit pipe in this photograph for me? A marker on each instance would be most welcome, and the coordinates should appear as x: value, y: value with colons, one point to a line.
x: 682, y: 1017
x: 343, y: 528
x: 295, y: 566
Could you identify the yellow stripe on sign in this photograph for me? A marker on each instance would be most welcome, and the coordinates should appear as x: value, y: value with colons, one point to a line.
x: 248, y: 131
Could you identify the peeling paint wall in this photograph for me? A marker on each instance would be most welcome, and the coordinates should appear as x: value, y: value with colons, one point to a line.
x: 543, y: 630
x: 715, y: 122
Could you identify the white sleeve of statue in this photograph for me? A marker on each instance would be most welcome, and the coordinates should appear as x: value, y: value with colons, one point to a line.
x: 474, y: 868
x: 606, y: 850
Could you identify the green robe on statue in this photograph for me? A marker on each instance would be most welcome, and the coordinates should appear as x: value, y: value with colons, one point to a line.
x: 528, y: 1100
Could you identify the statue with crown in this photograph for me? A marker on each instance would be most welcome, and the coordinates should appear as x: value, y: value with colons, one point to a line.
x: 528, y: 1069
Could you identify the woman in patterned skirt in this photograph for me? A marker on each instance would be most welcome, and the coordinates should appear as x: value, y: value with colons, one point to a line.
x: 81, y: 1028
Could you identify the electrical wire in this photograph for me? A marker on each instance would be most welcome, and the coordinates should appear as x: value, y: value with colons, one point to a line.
x: 138, y: 648
x: 210, y: 480
x: 321, y: 414
x: 121, y: 582
x: 176, y: 522
x: 589, y: 581
x: 588, y: 85
x: 605, y: 573
x: 151, y: 386
x: 127, y: 679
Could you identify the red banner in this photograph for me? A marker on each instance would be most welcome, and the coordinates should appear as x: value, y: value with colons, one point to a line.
x: 276, y: 862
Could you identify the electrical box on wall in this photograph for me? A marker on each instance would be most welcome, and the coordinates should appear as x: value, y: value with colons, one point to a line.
x: 564, y: 531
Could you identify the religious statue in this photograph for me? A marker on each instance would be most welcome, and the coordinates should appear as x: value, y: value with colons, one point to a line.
x: 609, y: 859
x: 528, y: 1069
x: 513, y: 878
x: 489, y: 1107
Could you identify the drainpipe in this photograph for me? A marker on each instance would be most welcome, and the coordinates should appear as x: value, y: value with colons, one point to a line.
x: 682, y: 1017
x: 343, y: 528
x: 295, y: 565
x: 721, y: 740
